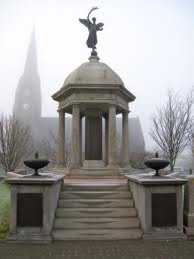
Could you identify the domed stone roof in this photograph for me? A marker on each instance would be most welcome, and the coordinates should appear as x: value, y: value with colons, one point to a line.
x: 93, y: 81
x: 93, y: 73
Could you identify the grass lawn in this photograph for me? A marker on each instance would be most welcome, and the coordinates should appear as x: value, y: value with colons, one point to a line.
x: 4, y: 209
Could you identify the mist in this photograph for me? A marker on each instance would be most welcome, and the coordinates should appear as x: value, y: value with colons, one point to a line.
x: 148, y: 43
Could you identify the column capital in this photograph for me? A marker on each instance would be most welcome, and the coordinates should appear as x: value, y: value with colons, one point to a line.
x: 112, y: 105
x: 75, y: 105
x: 125, y: 112
x: 61, y: 110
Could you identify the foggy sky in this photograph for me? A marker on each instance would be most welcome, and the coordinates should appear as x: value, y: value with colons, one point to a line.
x: 149, y: 43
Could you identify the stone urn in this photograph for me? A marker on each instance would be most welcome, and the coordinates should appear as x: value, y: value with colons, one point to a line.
x: 36, y: 164
x: 156, y: 163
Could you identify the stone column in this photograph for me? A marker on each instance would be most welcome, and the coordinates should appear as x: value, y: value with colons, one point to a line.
x: 81, y: 140
x: 61, y: 139
x: 112, y: 138
x: 75, y: 137
x: 106, y: 140
x: 125, y: 140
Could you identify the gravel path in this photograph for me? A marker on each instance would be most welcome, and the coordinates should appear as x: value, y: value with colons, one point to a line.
x: 100, y: 249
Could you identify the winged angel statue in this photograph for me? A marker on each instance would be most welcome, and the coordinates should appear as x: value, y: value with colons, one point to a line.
x: 92, y: 28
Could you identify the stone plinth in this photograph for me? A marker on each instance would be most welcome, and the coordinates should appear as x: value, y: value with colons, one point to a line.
x: 189, y: 208
x: 33, y: 204
x: 93, y: 164
x: 159, y: 204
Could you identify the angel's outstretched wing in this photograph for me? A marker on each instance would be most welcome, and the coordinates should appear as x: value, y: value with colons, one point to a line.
x: 99, y: 26
x: 85, y: 22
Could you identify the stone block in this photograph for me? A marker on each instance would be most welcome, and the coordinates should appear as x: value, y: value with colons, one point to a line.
x: 189, y: 208
x: 159, y: 205
x: 33, y: 204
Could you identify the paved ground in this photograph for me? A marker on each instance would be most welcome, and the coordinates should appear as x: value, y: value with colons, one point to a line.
x: 100, y: 249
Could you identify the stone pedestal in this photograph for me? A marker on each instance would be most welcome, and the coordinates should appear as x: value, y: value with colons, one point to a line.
x: 159, y: 202
x: 189, y: 208
x: 33, y: 204
x: 93, y: 164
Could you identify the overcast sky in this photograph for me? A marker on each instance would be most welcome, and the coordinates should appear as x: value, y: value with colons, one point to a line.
x: 149, y: 43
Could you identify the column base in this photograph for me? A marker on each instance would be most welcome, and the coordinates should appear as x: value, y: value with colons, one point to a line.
x: 93, y: 164
x: 60, y: 166
x: 189, y: 231
x: 113, y: 166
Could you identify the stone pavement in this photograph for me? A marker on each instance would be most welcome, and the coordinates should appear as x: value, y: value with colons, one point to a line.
x: 123, y: 249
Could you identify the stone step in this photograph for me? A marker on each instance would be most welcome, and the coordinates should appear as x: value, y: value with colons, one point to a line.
x: 95, y: 212
x: 96, y: 209
x: 95, y: 194
x: 97, y: 223
x: 93, y: 171
x: 88, y: 172
x: 78, y: 187
x: 97, y: 234
x: 95, y: 203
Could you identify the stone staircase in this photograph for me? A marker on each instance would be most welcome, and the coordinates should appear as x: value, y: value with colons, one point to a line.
x: 96, y: 209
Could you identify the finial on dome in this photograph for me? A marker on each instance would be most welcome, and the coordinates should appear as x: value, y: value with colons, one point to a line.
x: 94, y: 56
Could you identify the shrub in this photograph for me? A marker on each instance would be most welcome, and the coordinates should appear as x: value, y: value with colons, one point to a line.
x: 4, y: 210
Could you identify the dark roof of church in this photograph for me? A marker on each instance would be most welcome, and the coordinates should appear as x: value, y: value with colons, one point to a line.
x: 49, y: 126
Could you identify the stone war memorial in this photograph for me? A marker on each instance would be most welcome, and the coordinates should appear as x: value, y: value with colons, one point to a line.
x: 98, y: 197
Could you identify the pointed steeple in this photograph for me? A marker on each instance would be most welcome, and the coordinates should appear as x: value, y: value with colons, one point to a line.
x: 27, y: 105
x: 31, y: 60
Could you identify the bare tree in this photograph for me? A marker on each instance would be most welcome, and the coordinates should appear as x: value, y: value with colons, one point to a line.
x: 48, y: 147
x: 48, y: 150
x: 14, y: 142
x: 172, y: 125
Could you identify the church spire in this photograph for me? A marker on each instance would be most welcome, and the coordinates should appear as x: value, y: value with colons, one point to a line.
x: 27, y: 107
x: 31, y: 60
